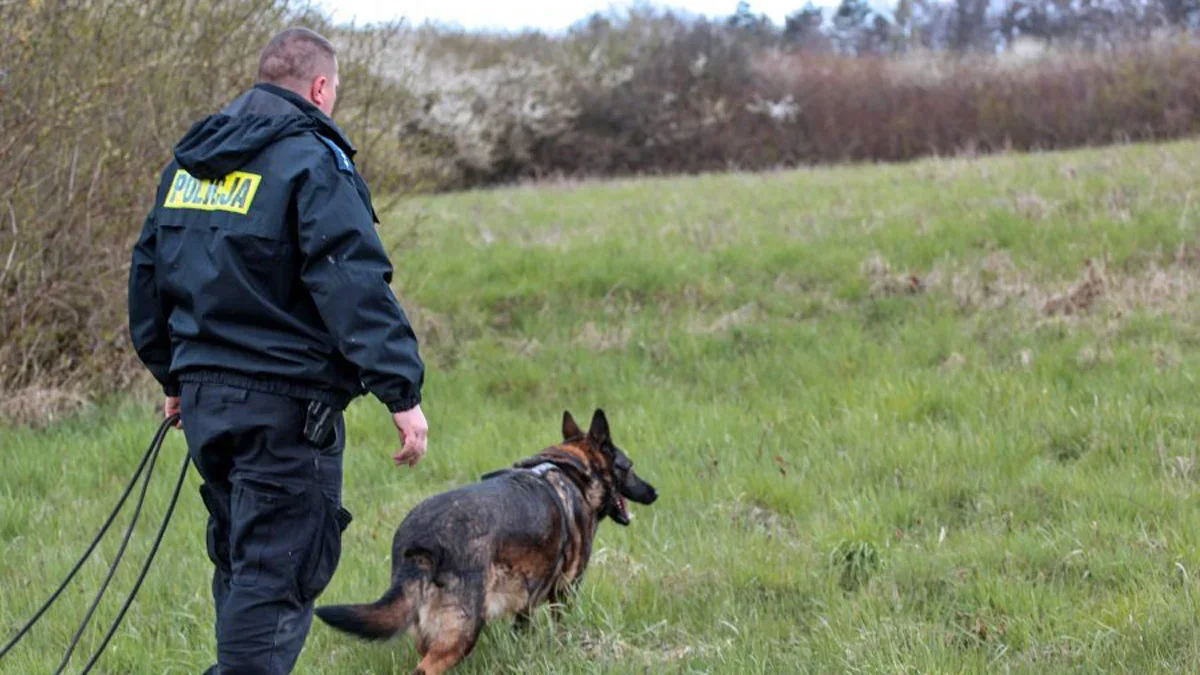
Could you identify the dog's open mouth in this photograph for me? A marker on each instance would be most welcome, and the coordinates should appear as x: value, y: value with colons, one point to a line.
x: 623, y: 515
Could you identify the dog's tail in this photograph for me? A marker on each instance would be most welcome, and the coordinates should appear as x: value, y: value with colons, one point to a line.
x: 379, y: 620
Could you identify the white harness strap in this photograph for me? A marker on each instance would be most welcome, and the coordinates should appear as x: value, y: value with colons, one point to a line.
x: 542, y: 468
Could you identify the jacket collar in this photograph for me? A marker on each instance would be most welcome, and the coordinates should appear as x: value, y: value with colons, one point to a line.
x: 328, y: 127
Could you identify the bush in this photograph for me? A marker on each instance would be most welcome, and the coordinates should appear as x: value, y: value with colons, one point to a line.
x: 654, y: 93
x: 699, y: 103
x: 92, y: 98
x: 668, y: 102
x: 879, y: 109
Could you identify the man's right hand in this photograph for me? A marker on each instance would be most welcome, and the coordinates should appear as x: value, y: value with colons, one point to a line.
x: 171, y: 407
x: 413, y: 432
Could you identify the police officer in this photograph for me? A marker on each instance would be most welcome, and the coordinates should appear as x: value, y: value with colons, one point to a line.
x: 259, y: 299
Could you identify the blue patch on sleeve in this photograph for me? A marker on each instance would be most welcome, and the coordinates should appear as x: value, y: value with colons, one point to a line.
x: 343, y: 160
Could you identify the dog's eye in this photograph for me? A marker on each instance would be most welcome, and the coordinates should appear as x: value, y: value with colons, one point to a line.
x: 623, y: 464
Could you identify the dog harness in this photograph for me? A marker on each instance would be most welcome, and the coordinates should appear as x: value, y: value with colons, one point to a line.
x: 541, y: 471
x: 542, y: 468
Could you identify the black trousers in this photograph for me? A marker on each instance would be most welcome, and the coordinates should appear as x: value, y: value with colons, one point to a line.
x: 275, y: 520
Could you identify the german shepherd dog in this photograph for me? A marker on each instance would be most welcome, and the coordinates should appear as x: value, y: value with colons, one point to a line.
x: 516, y: 539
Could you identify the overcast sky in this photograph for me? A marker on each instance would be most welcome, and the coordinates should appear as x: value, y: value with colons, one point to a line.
x: 544, y: 14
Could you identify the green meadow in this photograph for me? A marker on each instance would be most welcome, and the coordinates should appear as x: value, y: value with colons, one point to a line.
x: 938, y: 417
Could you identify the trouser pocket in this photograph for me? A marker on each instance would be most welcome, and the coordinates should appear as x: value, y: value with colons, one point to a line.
x: 272, y: 531
x: 326, y: 551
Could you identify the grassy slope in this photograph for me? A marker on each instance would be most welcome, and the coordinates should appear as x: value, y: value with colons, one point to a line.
x: 854, y: 478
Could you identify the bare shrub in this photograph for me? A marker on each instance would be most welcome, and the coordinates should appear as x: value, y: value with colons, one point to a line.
x: 93, y: 96
x: 662, y: 95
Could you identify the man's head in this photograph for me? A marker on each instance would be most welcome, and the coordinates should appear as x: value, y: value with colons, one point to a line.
x: 302, y: 61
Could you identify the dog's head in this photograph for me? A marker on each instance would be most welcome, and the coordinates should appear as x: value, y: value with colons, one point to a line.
x: 609, y: 465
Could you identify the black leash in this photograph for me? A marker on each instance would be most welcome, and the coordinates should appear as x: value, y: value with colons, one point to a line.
x: 147, y: 464
x: 162, y: 529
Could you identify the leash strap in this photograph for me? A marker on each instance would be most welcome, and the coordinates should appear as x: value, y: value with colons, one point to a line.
x: 112, y: 568
x: 147, y: 465
x: 162, y: 529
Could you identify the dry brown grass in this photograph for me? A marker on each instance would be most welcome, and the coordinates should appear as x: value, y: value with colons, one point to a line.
x: 38, y: 407
x: 599, y: 339
x: 885, y: 281
x: 1162, y: 285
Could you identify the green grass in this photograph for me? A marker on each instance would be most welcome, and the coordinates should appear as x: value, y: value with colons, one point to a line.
x: 853, y: 477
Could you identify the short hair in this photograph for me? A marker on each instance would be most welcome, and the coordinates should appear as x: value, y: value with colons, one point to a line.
x: 294, y: 55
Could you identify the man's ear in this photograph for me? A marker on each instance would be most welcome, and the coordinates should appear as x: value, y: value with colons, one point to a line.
x: 570, y: 429
x: 598, y: 433
x: 318, y: 90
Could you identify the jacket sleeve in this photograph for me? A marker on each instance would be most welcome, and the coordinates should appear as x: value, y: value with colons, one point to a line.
x: 346, y: 270
x: 148, y: 327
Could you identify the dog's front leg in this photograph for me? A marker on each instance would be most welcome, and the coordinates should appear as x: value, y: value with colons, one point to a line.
x: 558, y: 604
x: 524, y: 618
x: 558, y: 611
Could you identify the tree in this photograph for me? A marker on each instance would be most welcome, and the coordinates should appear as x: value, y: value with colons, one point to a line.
x: 757, y: 27
x: 861, y: 30
x: 970, y: 25
x: 805, y: 28
x: 1181, y: 13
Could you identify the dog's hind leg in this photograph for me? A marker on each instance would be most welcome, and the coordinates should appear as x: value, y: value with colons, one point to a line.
x: 449, y: 625
x: 448, y: 649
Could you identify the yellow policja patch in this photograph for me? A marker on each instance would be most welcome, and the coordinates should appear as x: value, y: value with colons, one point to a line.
x: 233, y: 193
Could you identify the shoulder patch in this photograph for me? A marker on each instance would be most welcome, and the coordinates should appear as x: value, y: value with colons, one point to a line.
x: 343, y: 160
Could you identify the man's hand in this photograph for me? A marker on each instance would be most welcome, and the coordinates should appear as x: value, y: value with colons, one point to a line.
x: 170, y: 408
x: 413, y: 431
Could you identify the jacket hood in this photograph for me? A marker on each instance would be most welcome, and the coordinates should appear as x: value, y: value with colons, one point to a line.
x: 221, y: 143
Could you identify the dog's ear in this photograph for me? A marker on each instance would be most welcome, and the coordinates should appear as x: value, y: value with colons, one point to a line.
x: 598, y: 433
x: 570, y: 429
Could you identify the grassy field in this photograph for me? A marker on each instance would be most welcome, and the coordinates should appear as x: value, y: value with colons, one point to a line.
x: 898, y: 421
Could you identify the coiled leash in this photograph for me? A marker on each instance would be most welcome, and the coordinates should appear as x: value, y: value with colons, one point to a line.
x: 147, y: 465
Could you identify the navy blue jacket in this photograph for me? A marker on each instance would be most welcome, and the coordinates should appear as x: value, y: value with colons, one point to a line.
x: 259, y: 265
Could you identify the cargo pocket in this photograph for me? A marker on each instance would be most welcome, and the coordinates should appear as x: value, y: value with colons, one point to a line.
x: 269, y: 534
x: 326, y: 552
